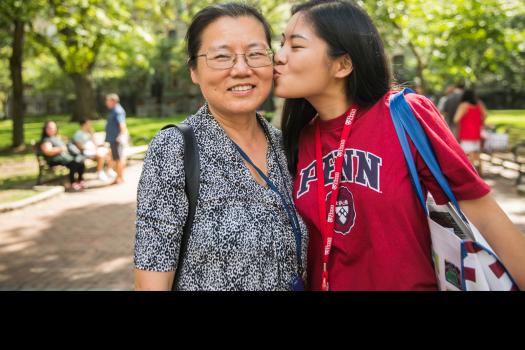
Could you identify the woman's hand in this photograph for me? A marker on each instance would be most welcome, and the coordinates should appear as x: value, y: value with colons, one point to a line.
x: 502, y: 235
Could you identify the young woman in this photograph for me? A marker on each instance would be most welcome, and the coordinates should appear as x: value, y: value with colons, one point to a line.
x: 333, y: 70
x: 470, y: 117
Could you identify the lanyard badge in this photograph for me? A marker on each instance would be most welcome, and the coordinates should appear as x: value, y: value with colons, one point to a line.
x: 327, y: 223
x: 297, y: 282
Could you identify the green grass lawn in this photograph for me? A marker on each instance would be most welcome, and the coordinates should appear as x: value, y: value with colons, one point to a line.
x: 13, y: 172
x: 9, y: 196
x: 506, y: 118
x: 142, y: 131
x: 510, y: 121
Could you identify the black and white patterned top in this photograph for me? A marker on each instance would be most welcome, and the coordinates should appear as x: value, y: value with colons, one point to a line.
x: 241, y: 237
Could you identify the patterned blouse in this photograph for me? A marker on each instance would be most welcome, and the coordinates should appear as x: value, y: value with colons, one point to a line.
x: 241, y: 237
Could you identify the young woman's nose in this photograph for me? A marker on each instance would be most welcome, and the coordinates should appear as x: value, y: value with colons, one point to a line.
x: 280, y: 56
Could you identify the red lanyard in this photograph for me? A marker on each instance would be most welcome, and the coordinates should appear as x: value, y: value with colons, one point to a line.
x: 327, y: 223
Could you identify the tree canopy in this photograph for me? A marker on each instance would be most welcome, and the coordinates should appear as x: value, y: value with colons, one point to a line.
x: 81, y: 48
x: 481, y: 41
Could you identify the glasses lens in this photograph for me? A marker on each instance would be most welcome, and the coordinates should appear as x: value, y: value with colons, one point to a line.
x: 259, y: 58
x: 220, y: 59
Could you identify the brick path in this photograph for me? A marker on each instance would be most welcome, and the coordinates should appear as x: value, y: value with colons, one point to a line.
x: 510, y: 201
x: 84, y: 241
x: 75, y: 241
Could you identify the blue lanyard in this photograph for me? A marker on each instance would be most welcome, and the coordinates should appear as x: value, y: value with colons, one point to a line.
x: 287, y: 202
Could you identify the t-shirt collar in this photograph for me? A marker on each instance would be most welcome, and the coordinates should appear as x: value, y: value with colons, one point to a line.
x: 336, y: 123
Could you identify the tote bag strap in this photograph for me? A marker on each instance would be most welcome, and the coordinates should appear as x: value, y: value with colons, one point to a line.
x: 405, y: 122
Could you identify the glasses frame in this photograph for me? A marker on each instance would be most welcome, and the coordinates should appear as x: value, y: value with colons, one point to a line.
x: 269, y: 52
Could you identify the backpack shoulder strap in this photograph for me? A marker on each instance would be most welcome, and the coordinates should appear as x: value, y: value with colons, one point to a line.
x: 192, y: 184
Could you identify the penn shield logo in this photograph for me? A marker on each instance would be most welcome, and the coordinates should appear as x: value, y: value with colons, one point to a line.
x: 344, y: 211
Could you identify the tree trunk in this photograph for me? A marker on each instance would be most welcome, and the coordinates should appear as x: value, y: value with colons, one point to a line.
x: 15, y: 65
x: 85, y: 103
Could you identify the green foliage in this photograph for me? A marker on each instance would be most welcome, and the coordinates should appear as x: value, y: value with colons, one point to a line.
x: 18, y: 9
x: 11, y: 11
x: 123, y: 45
x: 477, y: 40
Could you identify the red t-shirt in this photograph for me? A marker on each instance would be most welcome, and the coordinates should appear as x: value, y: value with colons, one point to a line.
x: 470, y: 124
x: 381, y: 239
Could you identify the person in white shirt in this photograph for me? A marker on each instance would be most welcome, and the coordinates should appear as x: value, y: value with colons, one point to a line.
x: 92, y: 148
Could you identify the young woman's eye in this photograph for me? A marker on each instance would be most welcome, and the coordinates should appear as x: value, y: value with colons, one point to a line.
x: 297, y: 47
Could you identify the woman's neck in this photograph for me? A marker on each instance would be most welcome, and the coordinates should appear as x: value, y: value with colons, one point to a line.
x: 243, y: 129
x: 330, y: 105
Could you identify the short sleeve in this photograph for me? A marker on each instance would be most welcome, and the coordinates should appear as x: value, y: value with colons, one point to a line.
x: 121, y: 116
x: 461, y: 175
x: 79, y: 137
x: 162, y: 205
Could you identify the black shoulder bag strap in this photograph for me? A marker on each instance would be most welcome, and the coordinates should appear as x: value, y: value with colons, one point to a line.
x: 192, y: 177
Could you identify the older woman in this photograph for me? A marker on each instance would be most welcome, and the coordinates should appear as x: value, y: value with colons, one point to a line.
x: 56, y: 152
x: 246, y: 234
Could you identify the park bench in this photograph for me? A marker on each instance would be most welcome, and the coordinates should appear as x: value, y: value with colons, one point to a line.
x: 519, y: 159
x: 513, y: 159
x: 44, y: 168
x: 58, y: 171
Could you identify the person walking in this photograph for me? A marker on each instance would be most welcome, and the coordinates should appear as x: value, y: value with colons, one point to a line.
x: 116, y: 135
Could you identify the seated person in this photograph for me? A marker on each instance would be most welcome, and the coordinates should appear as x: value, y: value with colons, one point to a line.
x: 85, y: 140
x: 56, y: 152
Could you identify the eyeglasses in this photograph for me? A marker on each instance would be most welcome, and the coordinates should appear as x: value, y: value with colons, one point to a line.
x: 227, y: 59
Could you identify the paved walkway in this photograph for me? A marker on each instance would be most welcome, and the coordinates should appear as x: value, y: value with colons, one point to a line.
x: 510, y: 201
x: 84, y: 241
x: 74, y: 241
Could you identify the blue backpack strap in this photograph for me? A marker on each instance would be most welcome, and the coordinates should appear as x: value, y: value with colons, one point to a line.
x: 405, y: 120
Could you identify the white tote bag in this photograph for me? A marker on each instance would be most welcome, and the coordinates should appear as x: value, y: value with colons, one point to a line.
x: 463, y: 260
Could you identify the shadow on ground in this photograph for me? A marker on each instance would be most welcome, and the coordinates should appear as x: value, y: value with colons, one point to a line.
x: 82, y: 249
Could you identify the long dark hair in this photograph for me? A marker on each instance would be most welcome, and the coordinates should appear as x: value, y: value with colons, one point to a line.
x: 347, y: 29
x: 210, y: 14
x: 470, y: 96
